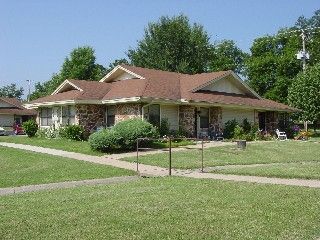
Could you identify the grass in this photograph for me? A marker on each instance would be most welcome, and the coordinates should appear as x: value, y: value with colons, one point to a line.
x: 164, y: 208
x: 61, y: 144
x: 305, y: 170
x: 262, y: 152
x: 19, y: 167
x: 174, y: 143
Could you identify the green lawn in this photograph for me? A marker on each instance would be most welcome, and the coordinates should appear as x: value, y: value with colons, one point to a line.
x: 19, y: 167
x: 164, y: 208
x: 61, y: 144
x: 262, y: 152
x: 306, y: 170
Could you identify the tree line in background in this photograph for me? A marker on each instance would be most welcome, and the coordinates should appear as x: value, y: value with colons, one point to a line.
x: 174, y: 44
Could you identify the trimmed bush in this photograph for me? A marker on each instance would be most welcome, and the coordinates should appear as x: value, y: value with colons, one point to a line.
x: 229, y: 128
x: 239, y: 133
x: 74, y: 132
x: 30, y: 127
x: 164, y: 128
x: 105, y: 140
x: 130, y: 130
x: 246, y: 125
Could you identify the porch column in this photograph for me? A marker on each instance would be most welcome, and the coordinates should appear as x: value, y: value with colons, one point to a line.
x: 90, y: 116
x: 187, y: 121
x: 215, y: 118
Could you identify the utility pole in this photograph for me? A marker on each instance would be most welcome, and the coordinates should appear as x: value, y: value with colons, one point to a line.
x: 304, y: 56
x: 29, y: 83
x: 303, y: 36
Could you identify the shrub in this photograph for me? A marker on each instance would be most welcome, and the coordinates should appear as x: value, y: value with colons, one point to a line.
x: 105, y: 140
x: 164, y: 128
x: 130, y: 130
x: 74, y: 132
x: 246, y: 126
x: 239, y: 132
x: 30, y: 127
x: 229, y: 128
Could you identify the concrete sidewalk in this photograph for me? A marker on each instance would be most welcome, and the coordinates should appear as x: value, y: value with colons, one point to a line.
x: 68, y: 184
x: 159, y: 171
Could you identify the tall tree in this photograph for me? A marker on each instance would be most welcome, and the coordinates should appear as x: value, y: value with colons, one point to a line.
x: 11, y: 91
x: 272, y: 64
x: 116, y: 63
x: 173, y: 44
x: 227, y: 56
x: 81, y: 64
x: 304, y: 93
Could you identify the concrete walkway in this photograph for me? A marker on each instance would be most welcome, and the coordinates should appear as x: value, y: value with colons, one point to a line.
x: 69, y: 184
x: 159, y: 171
x: 148, y: 151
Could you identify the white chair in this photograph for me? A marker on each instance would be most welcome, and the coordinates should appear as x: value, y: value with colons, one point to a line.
x: 281, y: 135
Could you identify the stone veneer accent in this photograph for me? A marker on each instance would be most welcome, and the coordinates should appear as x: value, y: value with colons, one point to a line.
x: 90, y: 116
x: 187, y: 119
x: 215, y: 118
x: 127, y: 111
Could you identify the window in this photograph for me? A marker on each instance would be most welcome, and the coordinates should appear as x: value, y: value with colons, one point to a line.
x: 152, y: 114
x: 46, y: 116
x: 68, y: 115
x: 204, y: 118
x: 110, y: 115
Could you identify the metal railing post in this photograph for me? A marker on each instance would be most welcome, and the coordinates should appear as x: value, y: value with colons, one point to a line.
x: 137, y: 155
x: 202, y: 155
x: 170, y: 157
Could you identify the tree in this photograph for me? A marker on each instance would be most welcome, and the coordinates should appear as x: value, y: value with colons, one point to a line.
x: 227, y: 56
x: 116, y: 63
x: 11, y: 91
x: 304, y: 93
x: 173, y: 44
x: 272, y: 64
x: 81, y: 64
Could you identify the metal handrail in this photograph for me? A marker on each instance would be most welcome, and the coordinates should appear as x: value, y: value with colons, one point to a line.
x: 170, y: 150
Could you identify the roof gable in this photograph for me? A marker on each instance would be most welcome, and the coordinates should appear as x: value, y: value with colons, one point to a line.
x: 67, y: 85
x: 120, y: 72
x: 227, y: 83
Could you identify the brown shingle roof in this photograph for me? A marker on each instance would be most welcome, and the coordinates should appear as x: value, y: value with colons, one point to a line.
x: 162, y: 85
x: 16, y: 109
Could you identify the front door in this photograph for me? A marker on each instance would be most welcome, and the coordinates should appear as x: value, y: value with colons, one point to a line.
x: 262, y: 121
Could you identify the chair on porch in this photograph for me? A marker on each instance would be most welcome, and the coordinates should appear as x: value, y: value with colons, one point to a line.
x: 281, y: 135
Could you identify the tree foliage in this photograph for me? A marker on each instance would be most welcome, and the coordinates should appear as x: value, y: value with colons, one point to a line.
x: 304, y: 93
x: 272, y: 64
x: 11, y: 91
x: 116, y: 63
x: 81, y: 64
x: 227, y: 56
x: 173, y: 44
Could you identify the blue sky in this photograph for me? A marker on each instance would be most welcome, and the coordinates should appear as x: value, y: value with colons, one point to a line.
x: 36, y: 35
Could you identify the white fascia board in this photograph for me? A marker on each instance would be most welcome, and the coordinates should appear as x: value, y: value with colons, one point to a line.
x: 65, y: 82
x: 121, y: 100
x: 235, y: 106
x: 44, y: 104
x: 123, y: 69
